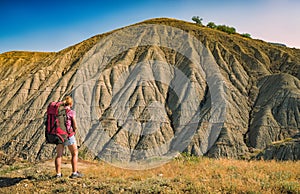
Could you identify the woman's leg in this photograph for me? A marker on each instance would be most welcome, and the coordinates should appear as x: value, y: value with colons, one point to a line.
x: 74, y: 152
x: 59, y: 151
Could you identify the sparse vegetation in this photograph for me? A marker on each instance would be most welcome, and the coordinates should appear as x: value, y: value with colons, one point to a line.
x: 246, y: 35
x: 186, y: 174
x: 224, y: 28
x: 227, y: 29
x: 211, y: 25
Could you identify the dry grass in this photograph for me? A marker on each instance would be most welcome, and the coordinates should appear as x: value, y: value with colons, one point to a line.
x: 184, y: 175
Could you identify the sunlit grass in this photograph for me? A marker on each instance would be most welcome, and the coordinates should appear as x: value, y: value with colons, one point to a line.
x: 191, y: 174
x: 187, y: 174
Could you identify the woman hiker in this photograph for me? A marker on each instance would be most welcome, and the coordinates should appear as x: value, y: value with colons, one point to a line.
x: 71, y: 141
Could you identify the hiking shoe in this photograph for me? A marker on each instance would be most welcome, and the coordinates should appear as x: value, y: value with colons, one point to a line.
x: 76, y: 175
x: 58, y: 176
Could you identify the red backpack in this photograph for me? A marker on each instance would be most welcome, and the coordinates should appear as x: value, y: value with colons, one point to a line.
x: 56, y: 131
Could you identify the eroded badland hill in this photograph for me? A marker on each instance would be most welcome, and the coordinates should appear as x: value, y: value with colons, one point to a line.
x: 234, y: 95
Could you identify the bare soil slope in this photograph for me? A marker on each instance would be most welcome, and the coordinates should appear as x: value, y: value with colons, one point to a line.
x: 261, y: 91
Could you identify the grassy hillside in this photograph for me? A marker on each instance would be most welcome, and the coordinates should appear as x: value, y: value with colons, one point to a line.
x: 183, y: 175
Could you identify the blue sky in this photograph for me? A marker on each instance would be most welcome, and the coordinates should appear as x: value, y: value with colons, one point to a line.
x: 54, y: 25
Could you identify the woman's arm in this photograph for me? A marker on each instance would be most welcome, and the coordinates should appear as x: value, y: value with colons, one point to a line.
x: 74, y: 124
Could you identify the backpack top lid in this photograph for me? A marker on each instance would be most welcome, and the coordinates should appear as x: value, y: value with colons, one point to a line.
x: 53, y: 107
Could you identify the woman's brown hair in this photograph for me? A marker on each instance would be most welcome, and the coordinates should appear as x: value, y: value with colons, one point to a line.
x: 68, y: 101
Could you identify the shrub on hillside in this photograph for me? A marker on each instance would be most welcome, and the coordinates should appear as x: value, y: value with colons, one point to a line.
x: 224, y: 28
x: 246, y: 35
x: 197, y: 20
x: 211, y: 25
x: 227, y: 29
